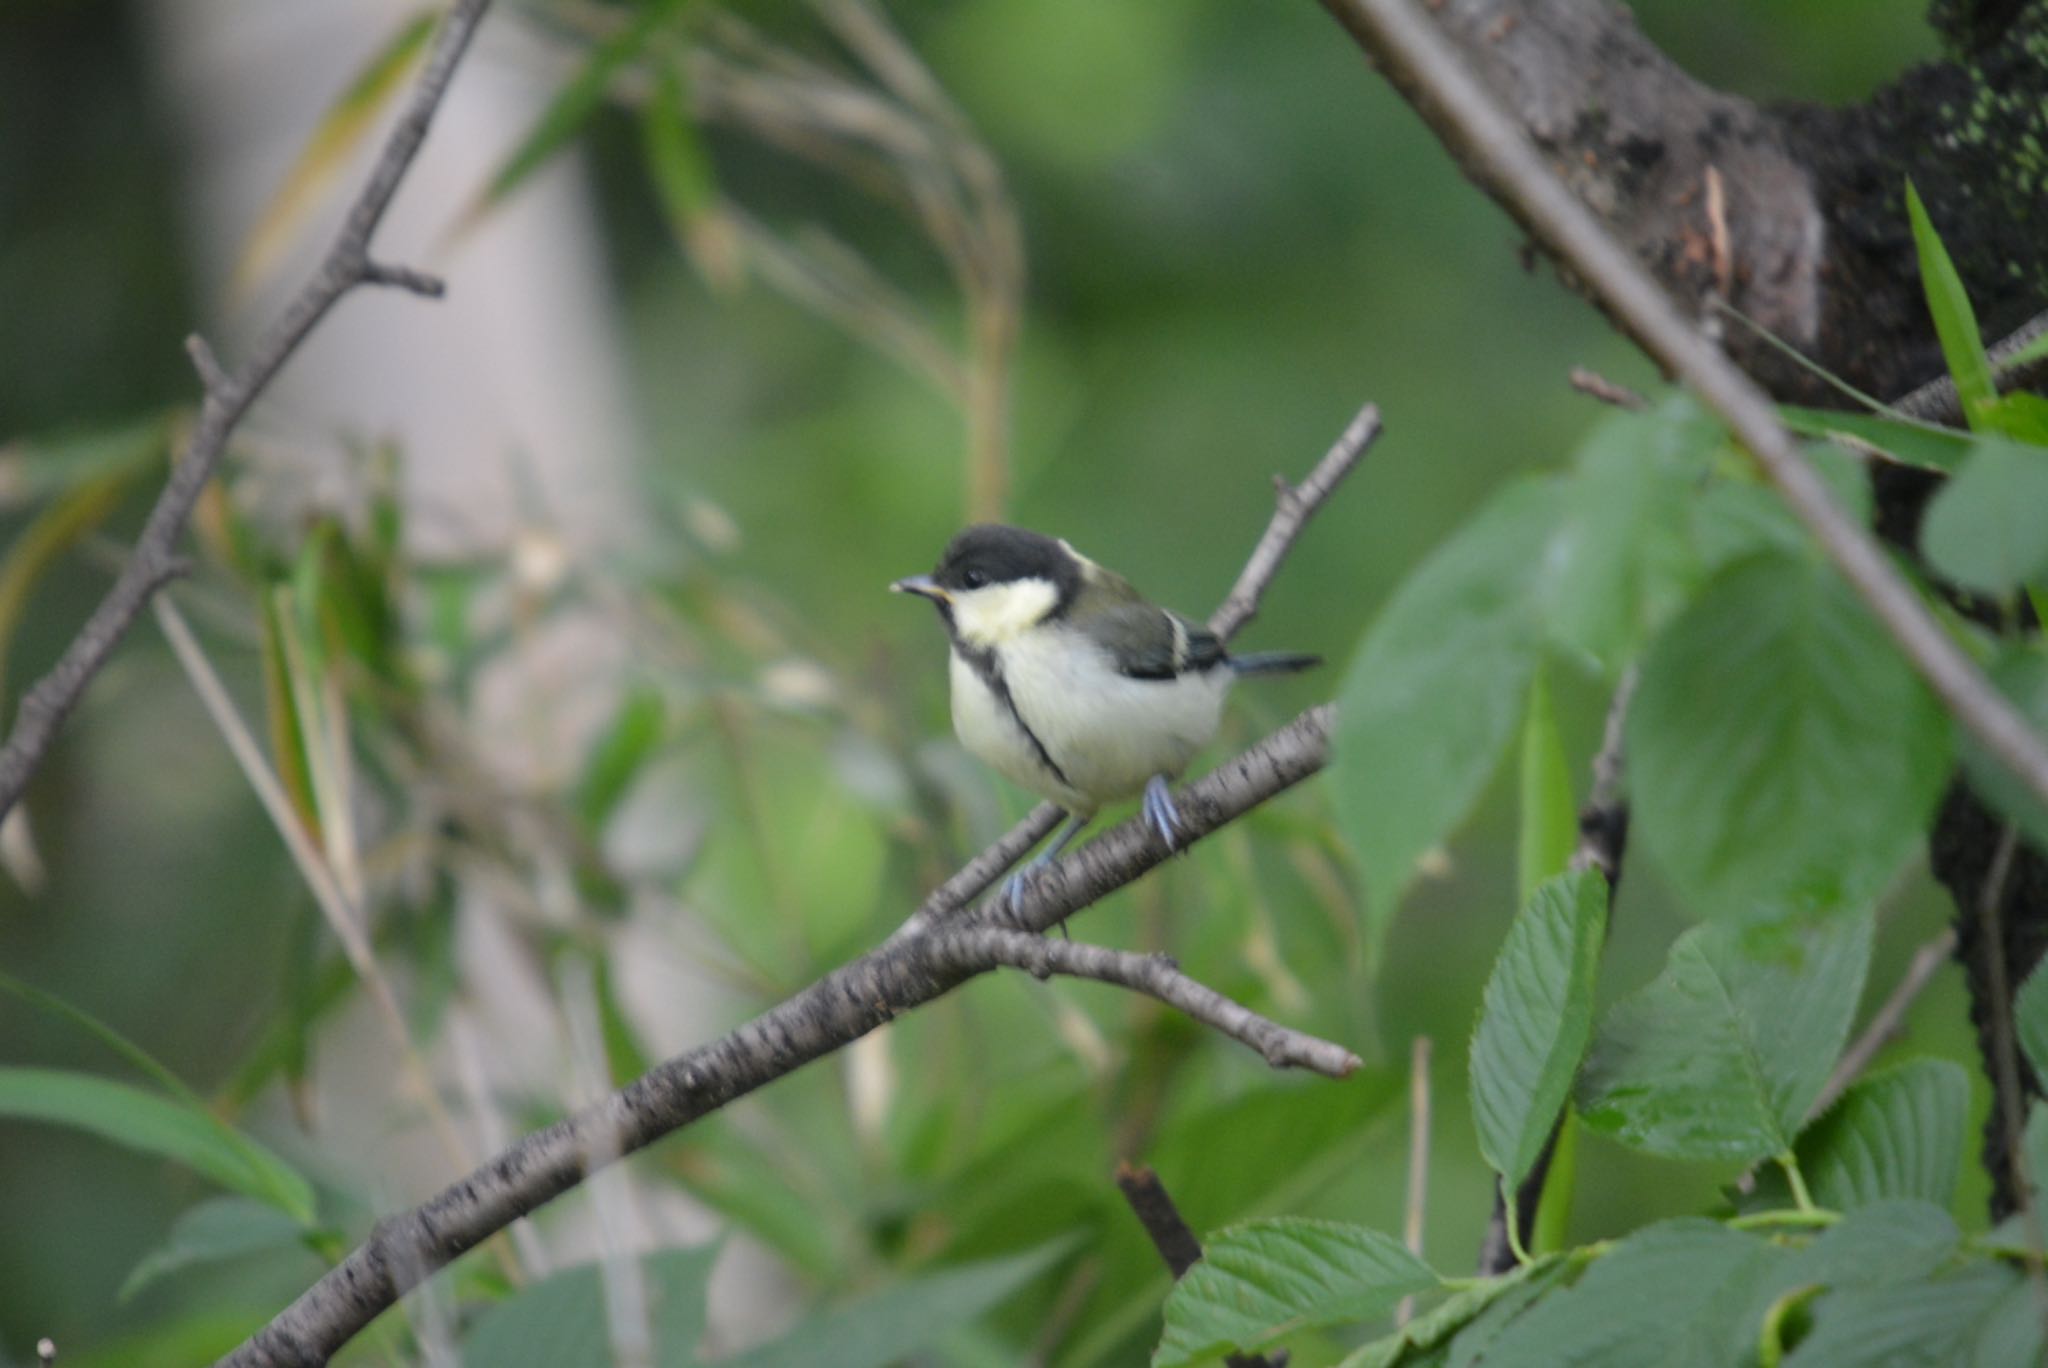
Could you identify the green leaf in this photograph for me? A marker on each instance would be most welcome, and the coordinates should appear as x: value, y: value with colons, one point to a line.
x: 1477, y: 1336
x: 1622, y: 558
x: 1910, y: 443
x: 560, y: 1321
x: 1440, y: 1322
x: 215, y: 1230
x: 1936, y: 1320
x: 2030, y: 1018
x: 1721, y: 1055
x: 2021, y: 416
x: 1550, y: 816
x: 1435, y: 691
x: 1955, y: 323
x: 1782, y: 757
x: 2031, y: 352
x: 895, y: 1323
x: 1883, y: 1242
x: 1898, y: 1133
x: 1660, y: 1296
x: 143, y: 1061
x: 2021, y: 674
x: 681, y: 171
x: 67, y: 520
x: 578, y: 99
x: 144, y: 1121
x: 1536, y: 1019
x: 1263, y: 1280
x: 1987, y: 530
x: 615, y: 762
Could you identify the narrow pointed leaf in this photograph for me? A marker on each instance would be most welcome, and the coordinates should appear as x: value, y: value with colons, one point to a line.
x: 1955, y: 322
x: 215, y: 1230
x: 1536, y: 1019
x: 1550, y: 815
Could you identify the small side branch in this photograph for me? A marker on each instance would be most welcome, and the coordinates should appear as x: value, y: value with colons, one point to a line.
x: 1175, y: 1242
x: 975, y: 949
x: 228, y: 399
x: 1887, y: 1022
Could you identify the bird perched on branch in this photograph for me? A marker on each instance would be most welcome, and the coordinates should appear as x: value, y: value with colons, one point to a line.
x: 1070, y: 683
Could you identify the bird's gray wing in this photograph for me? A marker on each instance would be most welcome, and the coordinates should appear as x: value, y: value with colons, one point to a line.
x: 1148, y: 642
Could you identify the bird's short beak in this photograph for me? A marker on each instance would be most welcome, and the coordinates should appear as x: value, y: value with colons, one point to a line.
x: 922, y: 585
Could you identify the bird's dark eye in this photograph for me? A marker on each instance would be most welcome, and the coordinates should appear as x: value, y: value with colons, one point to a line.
x: 973, y: 579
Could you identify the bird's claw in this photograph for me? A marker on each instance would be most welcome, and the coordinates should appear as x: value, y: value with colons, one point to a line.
x: 1161, y: 813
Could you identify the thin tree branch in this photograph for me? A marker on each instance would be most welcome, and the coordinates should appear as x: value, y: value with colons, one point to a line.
x: 1887, y: 1021
x: 1598, y: 386
x: 1176, y: 1243
x: 839, y: 1008
x: 1296, y: 505
x: 228, y: 397
x: 973, y: 950
x: 1423, y: 65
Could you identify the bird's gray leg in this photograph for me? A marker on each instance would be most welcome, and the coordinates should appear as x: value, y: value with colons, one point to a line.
x: 1013, y: 888
x: 1160, y: 811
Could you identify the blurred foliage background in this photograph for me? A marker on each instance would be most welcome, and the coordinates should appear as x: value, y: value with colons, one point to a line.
x: 1233, y: 235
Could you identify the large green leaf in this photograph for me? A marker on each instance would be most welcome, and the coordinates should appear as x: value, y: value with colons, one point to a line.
x: 887, y: 1327
x: 1436, y: 1325
x: 561, y: 1321
x: 1955, y: 322
x: 1721, y: 1055
x: 1658, y: 1297
x: 1782, y: 757
x: 1888, y: 1241
x: 1436, y: 688
x: 1987, y: 530
x: 145, y: 1121
x: 1895, y: 1134
x: 1941, y: 1319
x: 1623, y: 558
x: 217, y: 1229
x: 1263, y: 1280
x: 1536, y: 1018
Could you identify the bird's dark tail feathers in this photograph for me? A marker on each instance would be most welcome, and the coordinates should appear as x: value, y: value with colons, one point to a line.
x: 1274, y: 662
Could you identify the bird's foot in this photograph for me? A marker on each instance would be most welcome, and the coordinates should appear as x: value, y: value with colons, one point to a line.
x: 1161, y: 813
x: 1011, y: 899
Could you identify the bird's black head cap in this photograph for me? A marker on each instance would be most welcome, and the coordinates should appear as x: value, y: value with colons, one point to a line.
x: 990, y: 553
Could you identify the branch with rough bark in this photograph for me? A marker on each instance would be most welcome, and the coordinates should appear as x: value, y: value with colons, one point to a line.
x: 941, y: 946
x: 229, y: 395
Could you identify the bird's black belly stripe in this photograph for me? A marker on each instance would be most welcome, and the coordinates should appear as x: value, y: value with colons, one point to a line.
x: 984, y: 664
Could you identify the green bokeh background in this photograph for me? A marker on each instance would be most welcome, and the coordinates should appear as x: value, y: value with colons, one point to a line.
x: 1236, y: 235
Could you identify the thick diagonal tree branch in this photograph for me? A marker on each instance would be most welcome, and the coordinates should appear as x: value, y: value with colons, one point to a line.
x: 1425, y: 67
x: 229, y: 395
x: 942, y: 945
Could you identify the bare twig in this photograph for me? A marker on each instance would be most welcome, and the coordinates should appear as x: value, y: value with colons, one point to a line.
x: 1418, y: 1161
x: 1176, y: 1243
x: 1607, y: 391
x: 1416, y: 56
x: 973, y: 949
x: 228, y: 398
x: 46, y: 1352
x: 1936, y: 401
x: 1887, y: 1021
x: 1296, y: 504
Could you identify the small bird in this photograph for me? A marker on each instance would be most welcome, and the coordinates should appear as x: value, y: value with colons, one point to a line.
x: 1070, y: 683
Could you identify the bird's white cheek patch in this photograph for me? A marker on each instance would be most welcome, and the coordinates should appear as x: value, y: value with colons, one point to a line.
x: 992, y: 616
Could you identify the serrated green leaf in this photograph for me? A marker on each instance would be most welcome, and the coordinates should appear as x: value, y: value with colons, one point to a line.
x: 891, y: 1325
x: 1550, y: 815
x: 217, y: 1229
x: 1473, y: 1340
x: 1896, y: 1134
x: 1910, y: 443
x: 1660, y: 1297
x: 1536, y: 1019
x: 1720, y: 1056
x: 1782, y: 757
x: 1955, y: 322
x: 1882, y: 1242
x: 144, y: 1121
x: 578, y: 99
x: 1933, y: 1320
x: 2021, y: 674
x: 561, y: 1322
x: 1263, y: 1280
x: 1436, y: 1325
x: 1987, y: 529
x: 1435, y: 691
